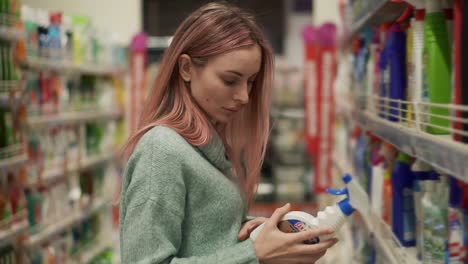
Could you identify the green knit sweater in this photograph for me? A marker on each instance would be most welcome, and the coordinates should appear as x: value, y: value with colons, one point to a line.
x: 179, y: 204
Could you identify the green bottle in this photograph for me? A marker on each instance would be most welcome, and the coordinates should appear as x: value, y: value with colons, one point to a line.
x: 437, y: 68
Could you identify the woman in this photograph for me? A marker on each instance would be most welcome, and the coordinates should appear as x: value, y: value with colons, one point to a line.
x: 196, y: 157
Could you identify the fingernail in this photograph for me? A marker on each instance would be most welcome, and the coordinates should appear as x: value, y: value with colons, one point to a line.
x: 288, y: 204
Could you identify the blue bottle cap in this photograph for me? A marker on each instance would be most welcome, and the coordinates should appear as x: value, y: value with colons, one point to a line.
x: 346, y: 207
x: 347, y: 178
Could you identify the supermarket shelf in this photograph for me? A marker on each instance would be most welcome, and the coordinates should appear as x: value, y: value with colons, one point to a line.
x: 10, y: 34
x: 13, y: 161
x: 93, y: 252
x: 10, y: 90
x: 72, y: 117
x: 294, y: 113
x: 53, y: 175
x: 379, y: 232
x: 382, y: 11
x: 66, y: 222
x: 96, y: 160
x: 8, y: 236
x: 70, y: 67
x: 440, y: 152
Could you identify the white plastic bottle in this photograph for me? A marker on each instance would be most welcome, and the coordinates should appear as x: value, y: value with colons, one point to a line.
x: 332, y: 217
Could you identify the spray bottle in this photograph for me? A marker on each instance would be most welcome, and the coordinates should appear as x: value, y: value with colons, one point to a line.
x: 332, y: 217
x: 437, y: 67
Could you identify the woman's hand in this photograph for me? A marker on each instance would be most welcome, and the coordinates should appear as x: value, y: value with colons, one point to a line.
x: 249, y: 226
x: 273, y: 246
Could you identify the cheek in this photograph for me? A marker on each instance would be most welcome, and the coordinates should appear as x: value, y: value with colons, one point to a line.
x: 210, y: 93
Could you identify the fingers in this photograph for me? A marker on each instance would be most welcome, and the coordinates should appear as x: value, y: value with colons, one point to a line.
x: 310, y: 233
x: 278, y: 214
x: 243, y: 233
x: 249, y: 226
x: 317, y: 248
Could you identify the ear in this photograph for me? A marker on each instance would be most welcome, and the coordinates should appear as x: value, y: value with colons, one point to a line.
x: 185, y: 67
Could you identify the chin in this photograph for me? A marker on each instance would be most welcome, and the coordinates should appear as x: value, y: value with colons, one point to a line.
x: 222, y: 119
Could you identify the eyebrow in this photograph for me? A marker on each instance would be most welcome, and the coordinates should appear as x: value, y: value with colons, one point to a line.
x: 240, y: 74
x: 236, y: 73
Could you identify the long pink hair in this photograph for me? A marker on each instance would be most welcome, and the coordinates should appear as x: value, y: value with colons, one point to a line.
x: 211, y: 30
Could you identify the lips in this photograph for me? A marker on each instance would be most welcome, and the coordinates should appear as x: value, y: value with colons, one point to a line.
x: 232, y: 110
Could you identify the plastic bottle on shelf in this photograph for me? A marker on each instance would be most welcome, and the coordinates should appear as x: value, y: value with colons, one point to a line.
x: 403, y: 217
x: 437, y: 67
x: 43, y: 32
x: 28, y: 16
x: 377, y: 178
x: 421, y: 172
x: 397, y: 83
x: 55, y: 35
x: 455, y: 220
x: 332, y: 217
x: 440, y: 226
x: 428, y: 220
x: 416, y: 71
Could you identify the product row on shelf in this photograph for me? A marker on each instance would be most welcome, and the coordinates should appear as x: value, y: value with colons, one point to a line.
x: 402, y: 108
x: 409, y: 74
x: 62, y: 99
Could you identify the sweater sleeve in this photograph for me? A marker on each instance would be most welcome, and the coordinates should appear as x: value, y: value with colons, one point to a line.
x: 152, y: 212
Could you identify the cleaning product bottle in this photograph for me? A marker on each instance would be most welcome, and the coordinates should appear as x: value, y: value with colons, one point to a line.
x: 384, y: 80
x: 30, y: 26
x: 377, y: 180
x: 440, y: 220
x: 455, y: 218
x: 420, y: 171
x: 437, y: 66
x: 55, y: 42
x: 403, y: 217
x: 389, y: 153
x: 428, y: 212
x: 332, y: 217
x: 414, y: 66
x: 370, y: 74
x: 397, y: 83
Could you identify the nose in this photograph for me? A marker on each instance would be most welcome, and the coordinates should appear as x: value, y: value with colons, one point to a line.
x: 242, y: 94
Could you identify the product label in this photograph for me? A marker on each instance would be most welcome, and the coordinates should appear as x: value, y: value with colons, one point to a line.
x: 294, y: 226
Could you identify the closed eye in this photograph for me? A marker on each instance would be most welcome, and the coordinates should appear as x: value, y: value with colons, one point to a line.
x: 229, y: 82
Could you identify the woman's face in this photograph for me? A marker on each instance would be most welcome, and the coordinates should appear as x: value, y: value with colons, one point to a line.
x: 222, y: 86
